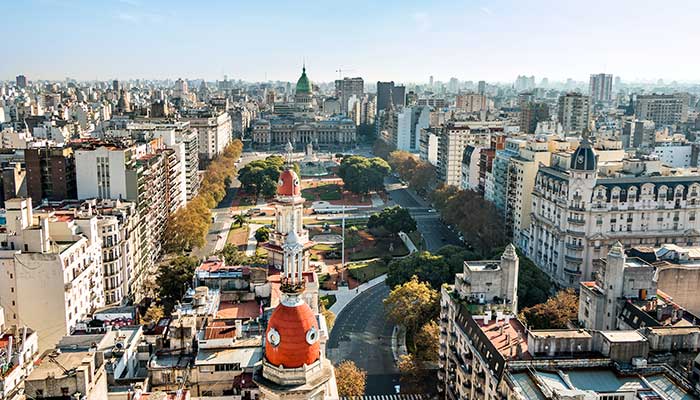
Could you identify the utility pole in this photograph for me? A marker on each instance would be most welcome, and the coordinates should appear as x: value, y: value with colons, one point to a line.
x: 342, y: 245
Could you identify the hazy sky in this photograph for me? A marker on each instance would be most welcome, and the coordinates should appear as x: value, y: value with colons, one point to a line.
x: 403, y: 40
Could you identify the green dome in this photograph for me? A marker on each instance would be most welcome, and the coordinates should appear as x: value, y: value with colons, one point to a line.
x: 303, y: 84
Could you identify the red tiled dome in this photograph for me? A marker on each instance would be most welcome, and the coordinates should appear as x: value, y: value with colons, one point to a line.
x: 292, y: 336
x: 289, y: 184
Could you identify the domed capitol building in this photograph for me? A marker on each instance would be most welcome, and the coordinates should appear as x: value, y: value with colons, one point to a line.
x: 300, y: 122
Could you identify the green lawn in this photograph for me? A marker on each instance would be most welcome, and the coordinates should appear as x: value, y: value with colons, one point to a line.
x: 380, y: 249
x: 364, y: 271
x: 324, y: 247
x: 326, y: 192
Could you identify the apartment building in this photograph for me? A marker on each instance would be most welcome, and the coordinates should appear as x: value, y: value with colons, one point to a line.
x: 588, y: 200
x: 452, y: 138
x: 50, y: 173
x: 56, y: 257
x: 663, y: 109
x: 214, y: 129
x: 486, y: 352
x: 574, y: 113
x: 150, y: 175
x: 19, y: 350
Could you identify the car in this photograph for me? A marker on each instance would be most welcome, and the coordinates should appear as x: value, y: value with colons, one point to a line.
x: 432, y: 210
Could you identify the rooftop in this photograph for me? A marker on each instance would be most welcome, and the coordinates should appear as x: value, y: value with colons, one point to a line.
x: 507, y: 336
x: 243, y: 310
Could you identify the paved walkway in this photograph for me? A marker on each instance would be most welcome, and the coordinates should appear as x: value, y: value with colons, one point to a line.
x: 376, y: 201
x: 344, y: 295
x: 252, y: 243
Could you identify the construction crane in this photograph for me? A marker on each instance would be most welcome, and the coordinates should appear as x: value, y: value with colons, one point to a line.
x: 340, y: 72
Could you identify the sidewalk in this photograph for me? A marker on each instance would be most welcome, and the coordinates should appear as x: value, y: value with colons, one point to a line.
x: 344, y: 295
x: 252, y: 243
x: 398, y: 342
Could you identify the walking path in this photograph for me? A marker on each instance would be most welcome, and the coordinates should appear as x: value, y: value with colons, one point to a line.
x: 252, y: 243
x: 344, y: 295
x: 376, y: 201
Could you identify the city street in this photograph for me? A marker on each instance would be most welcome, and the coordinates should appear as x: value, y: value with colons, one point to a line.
x: 435, y: 232
x: 363, y: 335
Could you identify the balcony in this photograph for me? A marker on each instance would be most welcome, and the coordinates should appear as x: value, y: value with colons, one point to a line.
x: 576, y: 221
x: 575, y: 247
x: 575, y: 233
x: 573, y: 259
x: 571, y: 271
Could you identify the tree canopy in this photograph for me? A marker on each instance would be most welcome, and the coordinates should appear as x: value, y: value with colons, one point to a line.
x: 173, y: 280
x: 419, y: 174
x: 262, y: 234
x: 362, y: 175
x: 260, y: 177
x: 188, y: 226
x: 554, y: 313
x: 351, y: 380
x: 476, y: 218
x: 393, y: 219
x: 412, y: 304
x: 534, y: 286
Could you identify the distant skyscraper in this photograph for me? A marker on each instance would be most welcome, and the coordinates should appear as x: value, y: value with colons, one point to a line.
x: 388, y: 92
x: 21, y: 81
x: 115, y: 86
x: 346, y: 88
x: 600, y: 88
x: 431, y: 82
x: 663, y: 109
x: 574, y: 112
x: 524, y: 83
x: 482, y: 87
x: 618, y: 81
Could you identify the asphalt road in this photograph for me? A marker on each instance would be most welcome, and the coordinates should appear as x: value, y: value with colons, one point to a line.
x: 363, y: 335
x: 435, y: 232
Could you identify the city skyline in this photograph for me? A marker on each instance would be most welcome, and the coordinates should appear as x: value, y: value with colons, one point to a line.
x: 475, y: 40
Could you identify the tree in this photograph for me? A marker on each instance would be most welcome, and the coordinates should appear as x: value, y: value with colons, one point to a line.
x: 174, y: 278
x: 351, y: 380
x: 153, y: 314
x: 534, y: 286
x: 262, y: 234
x: 393, y: 219
x: 412, y: 374
x: 231, y: 255
x: 382, y: 149
x: 427, y: 342
x: 329, y: 316
x: 423, y: 266
x: 261, y: 176
x: 555, y: 313
x: 240, y: 219
x: 412, y: 304
x: 362, y: 175
x: 476, y: 218
x: 424, y: 177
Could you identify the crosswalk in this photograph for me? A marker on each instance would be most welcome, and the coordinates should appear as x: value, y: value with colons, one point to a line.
x: 389, y: 397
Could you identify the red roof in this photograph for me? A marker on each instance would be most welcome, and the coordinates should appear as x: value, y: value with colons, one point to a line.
x: 220, y: 329
x: 289, y: 184
x: 293, y: 323
x: 244, y: 310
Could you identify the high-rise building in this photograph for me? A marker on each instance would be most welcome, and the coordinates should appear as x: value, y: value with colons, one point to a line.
x: 388, y: 92
x: 21, y: 81
x: 214, y: 129
x: 346, y: 88
x: 574, y: 112
x: 473, y: 102
x: 532, y: 113
x: 663, y: 109
x: 50, y: 174
x: 600, y: 88
x: 482, y: 87
x: 115, y: 86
